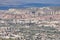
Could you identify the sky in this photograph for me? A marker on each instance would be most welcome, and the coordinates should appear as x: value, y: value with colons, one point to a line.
x: 20, y: 2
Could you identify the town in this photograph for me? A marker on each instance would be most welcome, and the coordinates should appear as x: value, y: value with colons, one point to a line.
x: 30, y: 24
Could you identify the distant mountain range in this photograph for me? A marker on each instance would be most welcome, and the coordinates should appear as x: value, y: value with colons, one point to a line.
x: 27, y: 5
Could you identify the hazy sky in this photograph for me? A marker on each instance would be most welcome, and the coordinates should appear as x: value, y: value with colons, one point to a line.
x: 19, y: 2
